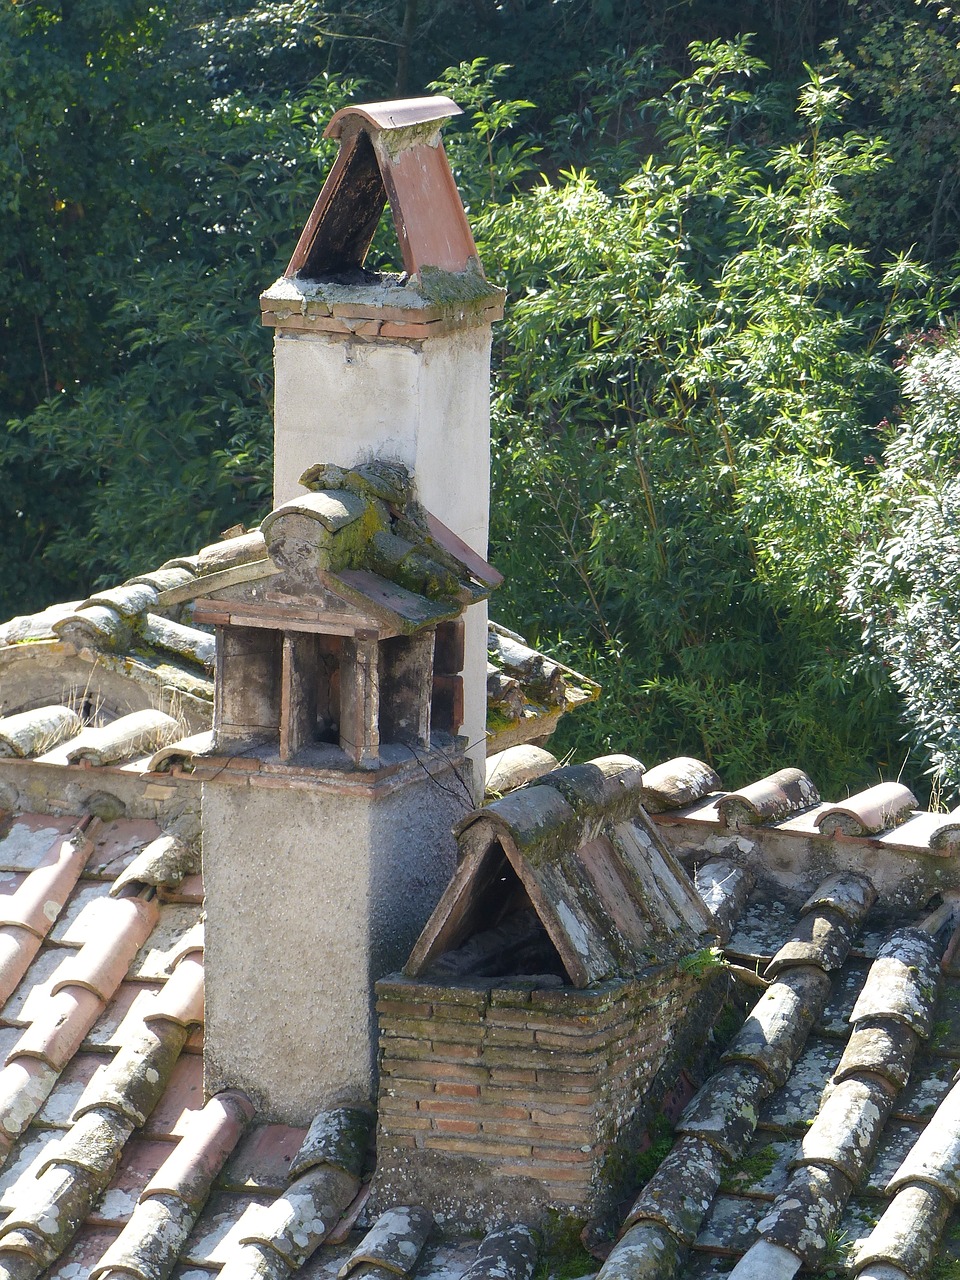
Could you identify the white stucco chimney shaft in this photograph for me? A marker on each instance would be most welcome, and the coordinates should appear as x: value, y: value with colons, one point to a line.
x: 392, y: 367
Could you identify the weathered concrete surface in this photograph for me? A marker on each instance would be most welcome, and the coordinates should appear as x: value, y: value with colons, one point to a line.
x: 425, y: 404
x: 348, y: 882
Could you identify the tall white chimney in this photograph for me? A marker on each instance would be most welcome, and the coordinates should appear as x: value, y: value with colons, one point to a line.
x: 352, y: 629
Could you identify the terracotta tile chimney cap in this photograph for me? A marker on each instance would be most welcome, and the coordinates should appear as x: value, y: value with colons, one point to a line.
x: 399, y: 114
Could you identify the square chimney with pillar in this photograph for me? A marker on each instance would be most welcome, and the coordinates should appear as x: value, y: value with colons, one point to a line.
x: 392, y: 366
x: 351, y: 680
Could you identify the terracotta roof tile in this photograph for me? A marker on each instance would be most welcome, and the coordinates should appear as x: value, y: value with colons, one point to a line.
x: 216, y: 1237
x: 182, y: 1097
x: 771, y: 800
x: 116, y: 844
x: 29, y: 1000
x: 180, y: 999
x: 140, y: 1161
x: 262, y: 1160
x: 122, y: 1016
x: 869, y: 812
x: 177, y: 933
x: 29, y: 839
x: 59, y: 1108
x: 88, y: 1245
x: 40, y: 898
x: 165, y: 861
x: 122, y: 927
x: 169, y: 1203
x: 393, y: 1244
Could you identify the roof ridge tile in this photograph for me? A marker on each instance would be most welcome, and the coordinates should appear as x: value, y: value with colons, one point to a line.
x: 165, y: 861
x: 140, y: 732
x: 24, y: 733
x: 771, y: 799
x: 886, y: 805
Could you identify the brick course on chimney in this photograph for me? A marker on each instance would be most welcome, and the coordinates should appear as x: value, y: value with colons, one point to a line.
x: 487, y: 1090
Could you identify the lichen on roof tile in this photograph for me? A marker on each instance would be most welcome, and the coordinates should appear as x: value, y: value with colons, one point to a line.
x: 29, y: 838
x: 165, y: 861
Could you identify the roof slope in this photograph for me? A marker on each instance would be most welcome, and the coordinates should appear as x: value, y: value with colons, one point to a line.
x: 827, y: 1135
x: 110, y: 1163
x: 136, y: 647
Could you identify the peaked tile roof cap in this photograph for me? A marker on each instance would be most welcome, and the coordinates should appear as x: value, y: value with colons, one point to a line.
x: 361, y: 532
x: 389, y: 151
x: 400, y: 113
x: 606, y: 889
x: 177, y: 658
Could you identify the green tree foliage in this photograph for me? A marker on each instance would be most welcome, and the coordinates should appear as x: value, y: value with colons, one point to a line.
x: 143, y: 212
x: 704, y: 289
x: 686, y: 371
x: 901, y: 65
x: 905, y: 584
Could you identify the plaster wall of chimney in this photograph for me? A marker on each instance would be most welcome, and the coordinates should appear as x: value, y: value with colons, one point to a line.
x: 423, y: 403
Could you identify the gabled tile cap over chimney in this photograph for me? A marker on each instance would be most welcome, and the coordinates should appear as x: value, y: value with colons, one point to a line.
x: 388, y: 151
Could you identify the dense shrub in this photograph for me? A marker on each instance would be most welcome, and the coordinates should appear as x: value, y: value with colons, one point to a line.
x: 905, y: 585
x: 688, y: 370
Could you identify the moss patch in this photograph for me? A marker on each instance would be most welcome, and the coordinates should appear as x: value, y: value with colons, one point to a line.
x: 752, y: 1169
x: 564, y: 1256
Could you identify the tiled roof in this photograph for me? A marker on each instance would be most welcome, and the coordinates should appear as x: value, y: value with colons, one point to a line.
x: 374, y: 546
x: 826, y: 1135
x: 110, y: 1163
x: 102, y: 982
x: 595, y: 870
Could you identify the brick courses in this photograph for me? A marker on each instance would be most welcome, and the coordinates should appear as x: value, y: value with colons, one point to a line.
x: 546, y: 1085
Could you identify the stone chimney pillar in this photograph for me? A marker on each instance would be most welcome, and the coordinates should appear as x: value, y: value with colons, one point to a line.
x: 392, y: 366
